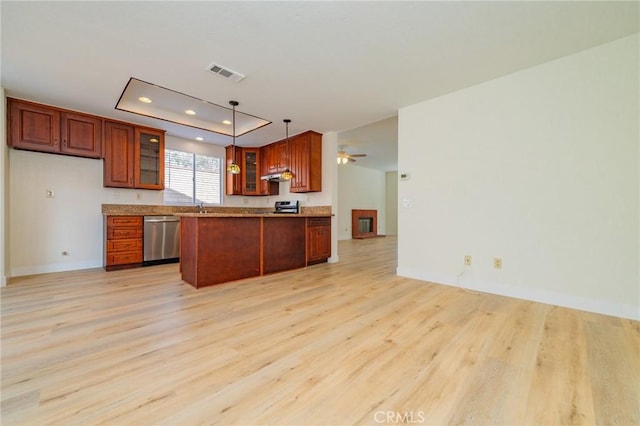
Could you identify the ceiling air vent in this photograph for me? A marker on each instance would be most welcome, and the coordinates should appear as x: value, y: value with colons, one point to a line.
x: 226, y: 73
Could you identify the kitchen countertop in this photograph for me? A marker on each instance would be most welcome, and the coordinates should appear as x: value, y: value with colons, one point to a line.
x: 252, y: 214
x: 212, y: 211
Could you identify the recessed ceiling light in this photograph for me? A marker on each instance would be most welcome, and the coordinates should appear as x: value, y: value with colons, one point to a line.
x: 145, y: 100
x: 190, y: 112
x: 227, y: 122
x: 199, y: 138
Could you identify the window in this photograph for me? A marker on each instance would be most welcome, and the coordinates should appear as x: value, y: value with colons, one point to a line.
x: 191, y: 178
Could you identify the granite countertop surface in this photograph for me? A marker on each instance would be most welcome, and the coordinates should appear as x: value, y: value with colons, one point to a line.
x: 252, y: 214
x: 193, y: 211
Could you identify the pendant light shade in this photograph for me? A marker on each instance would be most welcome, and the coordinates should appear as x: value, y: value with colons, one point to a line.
x: 233, y: 167
x: 287, y: 175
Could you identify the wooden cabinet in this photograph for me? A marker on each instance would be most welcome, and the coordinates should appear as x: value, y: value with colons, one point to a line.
x: 81, y: 135
x: 43, y: 128
x: 250, y: 171
x: 276, y: 157
x: 148, y: 169
x: 215, y: 250
x: 118, y: 155
x: 283, y: 244
x: 234, y: 182
x: 318, y: 239
x: 306, y: 162
x: 133, y: 157
x: 248, y: 182
x: 302, y: 155
x: 123, y: 236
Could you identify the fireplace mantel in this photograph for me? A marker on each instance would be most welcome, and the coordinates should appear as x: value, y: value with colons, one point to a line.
x: 364, y: 224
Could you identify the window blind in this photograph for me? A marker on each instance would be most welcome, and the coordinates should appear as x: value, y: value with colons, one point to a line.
x: 191, y: 178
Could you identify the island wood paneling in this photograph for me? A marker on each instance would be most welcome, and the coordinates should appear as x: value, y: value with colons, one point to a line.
x: 218, y: 249
x: 284, y: 243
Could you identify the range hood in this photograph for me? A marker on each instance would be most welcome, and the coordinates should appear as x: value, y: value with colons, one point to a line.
x: 275, y: 177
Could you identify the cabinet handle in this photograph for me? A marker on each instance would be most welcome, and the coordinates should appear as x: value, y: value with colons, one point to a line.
x: 64, y: 143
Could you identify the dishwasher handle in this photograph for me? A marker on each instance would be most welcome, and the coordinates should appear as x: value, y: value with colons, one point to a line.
x: 161, y: 220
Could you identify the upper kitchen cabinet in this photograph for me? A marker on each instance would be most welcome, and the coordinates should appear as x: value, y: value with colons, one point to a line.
x: 276, y: 157
x: 250, y: 171
x: 133, y: 157
x: 248, y: 182
x: 43, y: 128
x: 234, y: 181
x: 305, y: 152
x: 149, y: 158
x: 118, y: 155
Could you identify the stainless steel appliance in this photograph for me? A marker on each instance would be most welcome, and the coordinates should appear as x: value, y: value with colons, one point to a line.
x: 161, y: 239
x: 292, y: 207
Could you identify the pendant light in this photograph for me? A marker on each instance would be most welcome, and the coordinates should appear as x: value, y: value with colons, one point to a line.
x: 233, y: 168
x: 287, y: 175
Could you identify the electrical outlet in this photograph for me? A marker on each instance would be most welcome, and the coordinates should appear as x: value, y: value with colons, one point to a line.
x: 497, y: 262
x: 467, y: 260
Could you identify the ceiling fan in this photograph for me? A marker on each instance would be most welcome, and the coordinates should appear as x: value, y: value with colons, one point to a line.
x: 344, y: 158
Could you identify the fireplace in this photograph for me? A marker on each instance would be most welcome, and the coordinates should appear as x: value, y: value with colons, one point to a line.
x: 364, y: 223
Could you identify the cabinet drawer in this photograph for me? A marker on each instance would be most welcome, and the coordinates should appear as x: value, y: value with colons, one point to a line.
x: 124, y: 245
x: 123, y: 258
x: 124, y: 221
x: 123, y: 233
x: 319, y: 221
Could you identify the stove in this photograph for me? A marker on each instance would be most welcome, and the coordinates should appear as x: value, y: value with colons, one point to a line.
x: 287, y: 207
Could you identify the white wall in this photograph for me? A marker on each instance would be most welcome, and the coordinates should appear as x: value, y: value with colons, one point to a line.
x: 540, y: 168
x: 41, y: 228
x: 391, y: 203
x: 4, y: 192
x: 359, y: 188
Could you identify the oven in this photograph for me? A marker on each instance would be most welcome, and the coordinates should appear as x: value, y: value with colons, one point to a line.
x: 287, y: 207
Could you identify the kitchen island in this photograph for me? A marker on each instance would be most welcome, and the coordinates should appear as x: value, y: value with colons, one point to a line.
x: 221, y: 247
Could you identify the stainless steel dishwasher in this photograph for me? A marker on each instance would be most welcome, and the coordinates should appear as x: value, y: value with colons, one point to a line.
x: 161, y: 239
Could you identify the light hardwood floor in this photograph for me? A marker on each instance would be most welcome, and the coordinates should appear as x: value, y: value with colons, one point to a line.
x: 332, y: 344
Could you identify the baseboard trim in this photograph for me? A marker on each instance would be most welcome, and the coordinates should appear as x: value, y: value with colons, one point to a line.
x: 58, y: 267
x: 598, y: 306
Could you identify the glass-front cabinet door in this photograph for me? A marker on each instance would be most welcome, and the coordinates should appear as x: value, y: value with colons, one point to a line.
x: 149, y: 159
x: 251, y: 171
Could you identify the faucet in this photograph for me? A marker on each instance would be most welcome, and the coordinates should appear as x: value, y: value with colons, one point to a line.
x: 201, y: 208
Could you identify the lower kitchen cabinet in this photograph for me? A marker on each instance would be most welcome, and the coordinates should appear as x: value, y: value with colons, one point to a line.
x: 318, y: 239
x: 123, y: 237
